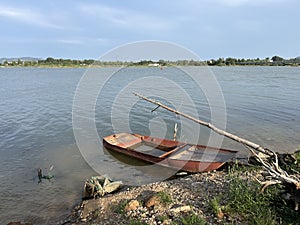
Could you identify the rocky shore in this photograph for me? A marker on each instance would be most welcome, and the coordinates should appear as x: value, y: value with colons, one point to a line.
x: 185, y: 200
x: 229, y: 196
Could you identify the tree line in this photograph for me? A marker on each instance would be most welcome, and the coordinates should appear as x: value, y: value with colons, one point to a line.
x: 274, y: 61
x: 52, y: 62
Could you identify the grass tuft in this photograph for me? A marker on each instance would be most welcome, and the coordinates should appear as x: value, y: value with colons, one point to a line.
x: 192, y: 219
x: 137, y: 222
x: 120, y: 208
x: 245, y: 202
x: 164, y: 197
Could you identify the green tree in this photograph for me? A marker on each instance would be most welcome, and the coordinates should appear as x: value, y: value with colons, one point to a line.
x: 220, y: 62
x: 230, y: 61
x: 50, y: 60
x: 277, y: 58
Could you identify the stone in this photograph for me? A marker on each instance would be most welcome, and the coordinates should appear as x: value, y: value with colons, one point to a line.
x: 152, y: 201
x: 167, y: 222
x: 220, y: 214
x: 185, y: 208
x: 113, y: 186
x: 132, y: 205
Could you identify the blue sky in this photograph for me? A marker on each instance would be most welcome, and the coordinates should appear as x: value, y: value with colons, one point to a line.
x: 210, y: 28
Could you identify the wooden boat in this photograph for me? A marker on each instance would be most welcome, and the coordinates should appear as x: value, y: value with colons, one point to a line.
x: 173, y: 154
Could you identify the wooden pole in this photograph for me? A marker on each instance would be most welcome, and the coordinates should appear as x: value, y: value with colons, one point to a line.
x: 209, y: 125
x: 175, y: 132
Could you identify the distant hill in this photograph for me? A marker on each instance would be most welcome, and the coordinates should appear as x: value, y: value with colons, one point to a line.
x: 21, y: 58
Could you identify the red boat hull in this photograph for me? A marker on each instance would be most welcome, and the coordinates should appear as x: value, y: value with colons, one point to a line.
x: 128, y: 147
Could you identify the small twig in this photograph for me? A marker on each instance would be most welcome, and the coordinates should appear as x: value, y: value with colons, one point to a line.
x: 267, y: 183
x: 155, y: 109
x: 295, y: 171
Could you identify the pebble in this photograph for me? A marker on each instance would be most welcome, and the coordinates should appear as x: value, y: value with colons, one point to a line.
x: 179, y: 209
x: 132, y: 205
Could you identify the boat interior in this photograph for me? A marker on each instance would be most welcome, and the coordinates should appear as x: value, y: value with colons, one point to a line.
x: 173, y: 151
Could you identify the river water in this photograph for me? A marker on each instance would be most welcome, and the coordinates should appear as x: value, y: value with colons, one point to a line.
x: 36, y: 130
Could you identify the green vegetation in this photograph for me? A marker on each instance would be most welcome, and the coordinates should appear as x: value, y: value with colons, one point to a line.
x: 274, y: 61
x: 216, y: 207
x: 137, y: 222
x: 192, y: 219
x: 244, y: 202
x: 120, y: 209
x: 164, y: 197
x: 297, y: 157
x: 163, y: 218
x: 52, y: 62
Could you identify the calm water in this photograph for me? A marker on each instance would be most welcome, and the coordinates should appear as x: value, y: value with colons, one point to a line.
x: 36, y: 129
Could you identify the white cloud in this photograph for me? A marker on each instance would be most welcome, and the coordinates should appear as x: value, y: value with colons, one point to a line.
x: 235, y: 3
x: 126, y: 18
x: 70, y: 41
x: 82, y: 41
x: 28, y: 16
x: 79, y: 40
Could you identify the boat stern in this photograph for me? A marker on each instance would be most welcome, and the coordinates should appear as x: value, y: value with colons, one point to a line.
x: 123, y: 140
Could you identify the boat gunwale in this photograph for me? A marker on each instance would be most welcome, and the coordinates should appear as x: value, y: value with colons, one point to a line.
x: 132, y: 152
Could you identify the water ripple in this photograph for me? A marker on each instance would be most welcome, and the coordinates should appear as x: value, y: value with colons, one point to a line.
x: 36, y: 130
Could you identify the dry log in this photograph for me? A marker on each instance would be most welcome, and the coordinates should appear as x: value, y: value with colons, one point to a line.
x: 291, y: 183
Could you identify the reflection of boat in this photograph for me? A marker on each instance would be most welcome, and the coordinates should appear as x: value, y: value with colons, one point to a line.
x: 172, y: 154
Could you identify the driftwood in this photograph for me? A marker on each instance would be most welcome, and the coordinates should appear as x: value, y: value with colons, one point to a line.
x: 267, y: 158
x: 209, y: 125
x: 99, y: 186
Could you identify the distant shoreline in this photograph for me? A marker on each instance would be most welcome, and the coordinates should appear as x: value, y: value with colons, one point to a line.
x: 86, y: 63
x: 109, y: 66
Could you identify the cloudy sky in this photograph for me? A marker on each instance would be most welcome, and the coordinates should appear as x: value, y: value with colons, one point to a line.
x: 210, y: 28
